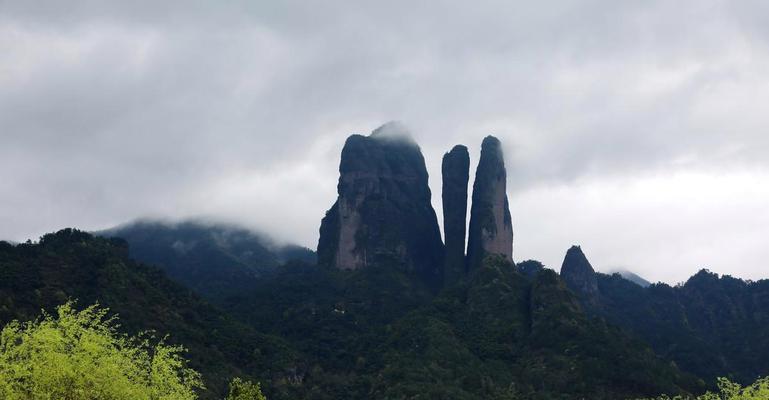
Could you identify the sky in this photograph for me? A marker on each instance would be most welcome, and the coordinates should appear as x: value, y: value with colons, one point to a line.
x: 636, y: 129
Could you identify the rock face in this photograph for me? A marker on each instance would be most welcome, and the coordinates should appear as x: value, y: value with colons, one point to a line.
x: 491, y: 228
x: 456, y: 174
x: 578, y: 274
x: 383, y: 215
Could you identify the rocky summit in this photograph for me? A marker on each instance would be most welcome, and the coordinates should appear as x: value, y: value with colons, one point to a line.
x: 491, y: 228
x: 578, y: 274
x: 456, y: 174
x: 383, y: 215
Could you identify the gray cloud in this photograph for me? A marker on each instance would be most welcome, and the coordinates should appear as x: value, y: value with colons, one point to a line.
x: 115, y: 110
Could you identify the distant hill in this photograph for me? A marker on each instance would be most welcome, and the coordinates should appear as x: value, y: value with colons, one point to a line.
x: 216, y: 260
x: 632, y: 277
x: 710, y: 326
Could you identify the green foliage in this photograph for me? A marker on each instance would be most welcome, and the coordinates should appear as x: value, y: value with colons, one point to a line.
x: 215, y: 260
x: 728, y: 390
x: 313, y: 333
x: 503, y: 336
x: 244, y: 390
x: 81, y: 355
x: 710, y: 326
x: 70, y: 264
x: 338, y: 320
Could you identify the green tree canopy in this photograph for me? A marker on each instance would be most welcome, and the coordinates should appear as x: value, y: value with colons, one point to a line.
x: 728, y: 390
x: 78, y: 355
x: 244, y: 390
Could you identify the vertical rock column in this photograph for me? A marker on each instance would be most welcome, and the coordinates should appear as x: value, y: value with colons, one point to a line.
x: 491, y: 228
x: 383, y: 216
x: 456, y: 174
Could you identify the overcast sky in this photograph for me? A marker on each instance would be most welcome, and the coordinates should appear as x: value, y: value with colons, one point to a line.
x: 636, y: 129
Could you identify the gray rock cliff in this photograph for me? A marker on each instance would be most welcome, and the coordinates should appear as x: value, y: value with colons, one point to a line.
x: 491, y: 228
x: 456, y: 174
x: 383, y: 216
x: 578, y: 274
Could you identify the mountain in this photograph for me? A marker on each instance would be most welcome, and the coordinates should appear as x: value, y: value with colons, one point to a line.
x: 710, y: 326
x: 316, y: 333
x: 632, y: 277
x: 216, y: 260
x: 389, y: 312
x: 383, y: 214
x: 70, y: 264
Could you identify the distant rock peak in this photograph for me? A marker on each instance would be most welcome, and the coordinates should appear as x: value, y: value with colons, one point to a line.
x: 632, y: 277
x: 577, y: 272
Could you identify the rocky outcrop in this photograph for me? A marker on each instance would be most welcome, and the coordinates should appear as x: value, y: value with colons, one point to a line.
x: 578, y: 274
x: 456, y: 174
x: 491, y: 228
x: 383, y: 215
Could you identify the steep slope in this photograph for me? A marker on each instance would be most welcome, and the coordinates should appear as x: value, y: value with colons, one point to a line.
x: 71, y: 264
x: 216, y: 260
x: 383, y: 214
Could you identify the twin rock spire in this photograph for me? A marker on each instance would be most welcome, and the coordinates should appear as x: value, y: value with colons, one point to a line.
x: 383, y: 215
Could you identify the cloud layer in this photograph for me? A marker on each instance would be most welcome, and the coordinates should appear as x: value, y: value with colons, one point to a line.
x: 635, y: 129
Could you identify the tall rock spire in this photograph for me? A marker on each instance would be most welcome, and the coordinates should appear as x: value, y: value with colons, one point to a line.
x: 578, y: 274
x: 383, y: 215
x: 456, y: 174
x: 491, y: 228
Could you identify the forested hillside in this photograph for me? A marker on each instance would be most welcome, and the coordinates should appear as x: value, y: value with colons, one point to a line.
x: 215, y: 259
x: 375, y: 333
x: 74, y: 265
x: 711, y: 326
x: 313, y: 333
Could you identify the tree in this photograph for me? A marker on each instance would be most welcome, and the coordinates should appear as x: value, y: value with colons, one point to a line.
x: 244, y: 390
x: 728, y: 390
x: 78, y: 355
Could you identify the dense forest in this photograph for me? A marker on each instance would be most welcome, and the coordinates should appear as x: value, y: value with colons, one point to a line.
x: 306, y: 332
x: 215, y: 260
x: 73, y: 265
x: 712, y: 326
